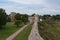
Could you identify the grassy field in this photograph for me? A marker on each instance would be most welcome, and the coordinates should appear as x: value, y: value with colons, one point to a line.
x: 49, y: 30
x: 24, y: 34
x: 8, y: 30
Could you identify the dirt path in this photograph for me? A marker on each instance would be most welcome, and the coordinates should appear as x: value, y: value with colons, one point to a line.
x: 34, y: 35
x: 16, y: 33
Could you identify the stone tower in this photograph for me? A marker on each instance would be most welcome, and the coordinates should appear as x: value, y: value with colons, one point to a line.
x: 33, y: 18
x: 12, y: 16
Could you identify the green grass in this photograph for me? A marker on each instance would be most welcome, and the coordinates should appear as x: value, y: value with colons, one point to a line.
x: 49, y: 30
x: 24, y: 34
x: 8, y: 30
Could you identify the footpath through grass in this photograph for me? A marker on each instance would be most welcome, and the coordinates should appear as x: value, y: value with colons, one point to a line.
x: 24, y: 34
x: 49, y: 30
x: 9, y: 29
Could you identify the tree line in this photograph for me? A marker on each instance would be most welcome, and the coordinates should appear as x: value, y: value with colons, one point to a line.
x: 22, y: 18
x: 4, y: 18
x: 50, y: 17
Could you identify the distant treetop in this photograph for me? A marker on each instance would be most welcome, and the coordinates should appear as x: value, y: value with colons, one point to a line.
x: 33, y: 14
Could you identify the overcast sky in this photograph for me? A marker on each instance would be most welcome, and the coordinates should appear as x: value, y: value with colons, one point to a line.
x: 31, y: 6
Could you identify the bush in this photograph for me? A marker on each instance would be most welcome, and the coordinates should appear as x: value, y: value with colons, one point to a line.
x: 3, y: 18
x: 18, y: 22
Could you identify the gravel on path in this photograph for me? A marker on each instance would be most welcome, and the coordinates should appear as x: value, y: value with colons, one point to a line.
x: 34, y: 35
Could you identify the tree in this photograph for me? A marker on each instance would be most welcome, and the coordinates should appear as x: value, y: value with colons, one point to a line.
x: 8, y: 18
x: 33, y: 14
x: 25, y: 18
x: 46, y: 16
x: 56, y: 17
x: 3, y: 17
x: 18, y: 22
x: 18, y: 18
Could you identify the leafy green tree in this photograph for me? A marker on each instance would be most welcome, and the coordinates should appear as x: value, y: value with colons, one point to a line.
x: 3, y: 18
x: 56, y: 17
x: 25, y: 18
x: 8, y: 18
x: 18, y: 22
x: 18, y: 18
x: 33, y: 14
x: 46, y: 16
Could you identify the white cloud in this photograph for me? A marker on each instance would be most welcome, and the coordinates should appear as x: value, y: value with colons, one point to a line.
x: 33, y: 6
x: 27, y: 1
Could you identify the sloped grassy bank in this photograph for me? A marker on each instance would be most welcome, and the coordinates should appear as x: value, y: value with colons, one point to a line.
x: 9, y: 29
x: 49, y: 30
